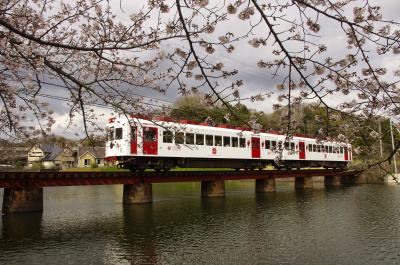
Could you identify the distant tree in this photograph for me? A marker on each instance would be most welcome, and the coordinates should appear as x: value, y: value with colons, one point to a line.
x: 190, y: 107
x: 93, y: 140
x: 242, y: 115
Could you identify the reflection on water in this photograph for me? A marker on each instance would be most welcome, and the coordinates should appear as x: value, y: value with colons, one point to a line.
x: 18, y: 227
x: 89, y: 225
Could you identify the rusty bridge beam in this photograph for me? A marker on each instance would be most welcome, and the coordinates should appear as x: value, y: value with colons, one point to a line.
x: 49, y: 179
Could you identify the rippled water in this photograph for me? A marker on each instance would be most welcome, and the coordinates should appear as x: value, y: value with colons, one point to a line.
x: 89, y: 225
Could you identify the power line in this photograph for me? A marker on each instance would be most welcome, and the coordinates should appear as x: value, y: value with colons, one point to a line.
x: 129, y: 92
x: 94, y: 104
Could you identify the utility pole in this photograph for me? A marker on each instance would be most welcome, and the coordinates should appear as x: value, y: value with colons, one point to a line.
x: 380, y: 138
x: 394, y: 156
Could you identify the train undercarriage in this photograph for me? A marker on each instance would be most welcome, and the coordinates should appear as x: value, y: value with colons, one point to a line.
x: 167, y: 163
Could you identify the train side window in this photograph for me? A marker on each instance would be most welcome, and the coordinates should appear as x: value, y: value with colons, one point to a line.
x: 323, y: 148
x: 167, y: 136
x: 227, y: 141
x: 209, y: 140
x: 179, y: 137
x: 310, y: 147
x: 218, y: 140
x: 267, y: 144
x: 118, y: 133
x: 287, y: 144
x: 292, y: 146
x: 200, y: 139
x: 189, y: 138
x: 235, y: 142
x: 341, y: 150
x: 133, y: 134
x: 273, y: 144
x: 242, y: 142
x: 111, y: 134
x: 330, y: 149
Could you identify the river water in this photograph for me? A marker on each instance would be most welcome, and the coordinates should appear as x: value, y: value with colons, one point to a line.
x: 89, y: 225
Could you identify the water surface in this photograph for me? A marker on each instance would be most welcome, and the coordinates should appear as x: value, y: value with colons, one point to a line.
x: 89, y: 225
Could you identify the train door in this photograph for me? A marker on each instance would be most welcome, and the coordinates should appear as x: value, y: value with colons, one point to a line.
x: 150, y: 141
x: 255, y: 147
x: 133, y: 140
x: 346, y: 154
x: 302, y: 150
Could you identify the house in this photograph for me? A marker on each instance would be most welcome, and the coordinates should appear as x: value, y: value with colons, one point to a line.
x: 88, y: 156
x: 50, y: 157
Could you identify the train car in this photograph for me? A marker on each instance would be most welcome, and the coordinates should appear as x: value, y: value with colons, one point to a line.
x: 138, y: 144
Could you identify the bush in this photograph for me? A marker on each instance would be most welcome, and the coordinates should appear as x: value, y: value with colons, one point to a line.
x: 94, y: 165
x: 37, y: 165
x: 19, y: 164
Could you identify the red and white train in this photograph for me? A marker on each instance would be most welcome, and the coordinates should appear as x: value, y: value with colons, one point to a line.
x: 138, y: 144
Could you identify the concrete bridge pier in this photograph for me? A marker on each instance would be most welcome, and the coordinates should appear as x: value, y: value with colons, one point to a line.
x: 22, y: 200
x: 213, y: 188
x: 138, y: 193
x: 333, y: 181
x: 265, y: 185
x: 303, y: 183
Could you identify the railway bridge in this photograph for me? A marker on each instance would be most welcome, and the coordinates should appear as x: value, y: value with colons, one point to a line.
x: 23, y: 191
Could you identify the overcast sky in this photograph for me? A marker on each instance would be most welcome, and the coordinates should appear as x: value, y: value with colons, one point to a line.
x: 244, y: 59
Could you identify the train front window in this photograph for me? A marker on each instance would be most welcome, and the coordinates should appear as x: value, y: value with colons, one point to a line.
x: 168, y: 136
x: 179, y: 137
x: 150, y: 136
x: 111, y: 134
x: 218, y: 140
x: 209, y: 140
x: 190, y: 138
x: 118, y: 133
x: 133, y: 134
x: 200, y: 139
